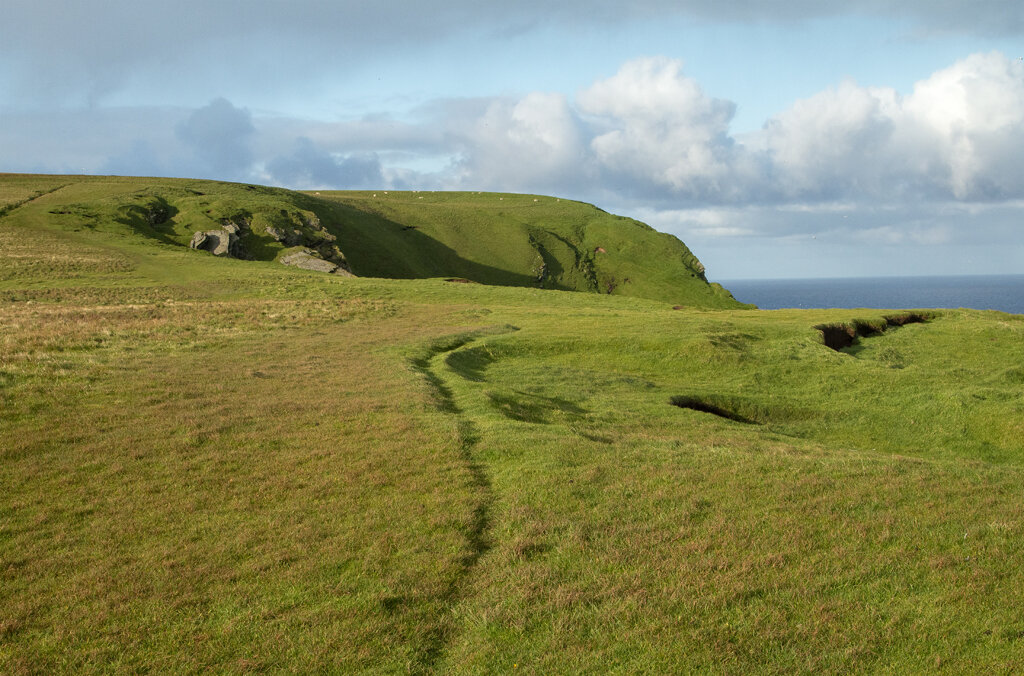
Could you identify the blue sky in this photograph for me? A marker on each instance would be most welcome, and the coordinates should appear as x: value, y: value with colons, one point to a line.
x: 796, y: 138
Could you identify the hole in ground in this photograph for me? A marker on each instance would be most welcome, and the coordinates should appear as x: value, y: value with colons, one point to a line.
x: 841, y: 336
x: 703, y: 405
x: 908, y: 318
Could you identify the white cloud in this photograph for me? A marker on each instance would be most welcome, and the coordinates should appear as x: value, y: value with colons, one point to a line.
x: 657, y: 125
x: 535, y: 142
x: 710, y: 223
x: 973, y: 113
x: 647, y: 134
x: 837, y: 142
x: 956, y: 136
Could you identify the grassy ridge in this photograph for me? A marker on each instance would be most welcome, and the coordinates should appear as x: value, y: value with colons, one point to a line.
x: 519, y: 240
x: 225, y: 465
x: 511, y: 240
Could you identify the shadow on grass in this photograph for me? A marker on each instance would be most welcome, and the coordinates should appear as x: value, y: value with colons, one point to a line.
x: 478, y: 541
x: 747, y: 411
x: 470, y: 363
x: 153, y: 218
x: 534, y: 408
x: 376, y: 246
x: 720, y: 408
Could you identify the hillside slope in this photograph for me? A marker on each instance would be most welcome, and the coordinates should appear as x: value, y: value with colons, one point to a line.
x: 489, y: 238
x: 518, y: 240
x: 227, y: 466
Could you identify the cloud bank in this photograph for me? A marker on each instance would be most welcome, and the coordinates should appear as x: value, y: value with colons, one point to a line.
x: 938, y: 165
x: 70, y: 52
x: 648, y: 131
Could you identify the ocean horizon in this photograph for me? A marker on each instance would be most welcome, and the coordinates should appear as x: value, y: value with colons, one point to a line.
x: 977, y: 292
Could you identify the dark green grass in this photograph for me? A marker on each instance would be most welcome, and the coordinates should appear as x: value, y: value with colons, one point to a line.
x: 233, y: 466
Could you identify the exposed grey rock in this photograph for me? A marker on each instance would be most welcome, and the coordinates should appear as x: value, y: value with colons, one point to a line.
x: 218, y: 242
x: 287, y: 237
x: 319, y: 251
x: 307, y: 259
x: 221, y: 242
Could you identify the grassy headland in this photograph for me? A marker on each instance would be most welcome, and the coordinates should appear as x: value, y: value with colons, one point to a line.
x: 233, y: 465
x: 488, y: 238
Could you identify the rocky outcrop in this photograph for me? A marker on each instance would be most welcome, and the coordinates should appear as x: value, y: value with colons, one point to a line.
x: 280, y: 235
x: 304, y: 230
x: 224, y: 241
x: 318, y: 249
x: 307, y: 259
x: 221, y: 242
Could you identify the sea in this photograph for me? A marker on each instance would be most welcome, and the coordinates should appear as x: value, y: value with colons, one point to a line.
x: 978, y: 292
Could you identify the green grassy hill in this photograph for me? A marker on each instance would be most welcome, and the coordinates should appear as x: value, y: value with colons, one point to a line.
x: 497, y: 239
x: 231, y: 466
x: 517, y: 240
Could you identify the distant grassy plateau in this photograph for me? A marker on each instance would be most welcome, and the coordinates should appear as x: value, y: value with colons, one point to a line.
x: 478, y: 433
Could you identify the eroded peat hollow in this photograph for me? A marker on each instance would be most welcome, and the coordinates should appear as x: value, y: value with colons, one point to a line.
x: 843, y: 335
x: 722, y: 409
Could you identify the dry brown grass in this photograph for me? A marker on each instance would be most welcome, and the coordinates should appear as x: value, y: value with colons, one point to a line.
x: 205, y: 473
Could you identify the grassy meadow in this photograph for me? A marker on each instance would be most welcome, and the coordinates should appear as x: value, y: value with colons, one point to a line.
x: 234, y: 466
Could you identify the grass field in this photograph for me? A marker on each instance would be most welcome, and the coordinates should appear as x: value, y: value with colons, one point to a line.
x: 233, y: 466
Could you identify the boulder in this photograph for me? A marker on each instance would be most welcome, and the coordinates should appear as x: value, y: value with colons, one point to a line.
x: 198, y: 241
x: 219, y: 242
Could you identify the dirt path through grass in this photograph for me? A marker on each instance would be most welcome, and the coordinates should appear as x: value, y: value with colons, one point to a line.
x: 432, y: 364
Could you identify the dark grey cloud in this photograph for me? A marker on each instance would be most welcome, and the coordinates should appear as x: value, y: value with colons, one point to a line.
x: 309, y: 166
x: 213, y: 141
x: 369, y: 134
x: 220, y: 136
x: 140, y: 158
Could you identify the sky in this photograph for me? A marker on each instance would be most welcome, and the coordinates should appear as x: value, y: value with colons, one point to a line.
x: 785, y: 139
